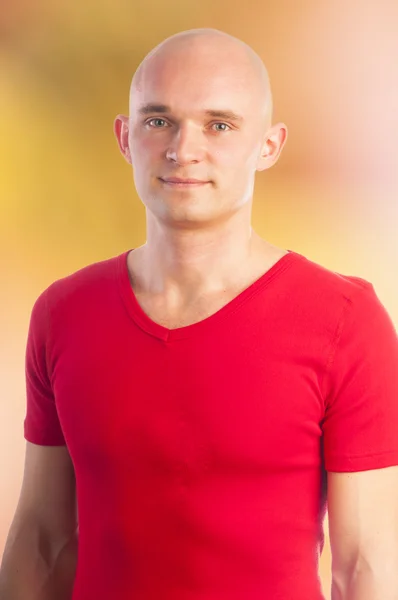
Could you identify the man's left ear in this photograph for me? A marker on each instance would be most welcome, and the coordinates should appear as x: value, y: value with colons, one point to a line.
x: 272, y: 147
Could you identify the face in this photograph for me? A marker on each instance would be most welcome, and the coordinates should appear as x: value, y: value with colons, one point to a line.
x: 197, y: 115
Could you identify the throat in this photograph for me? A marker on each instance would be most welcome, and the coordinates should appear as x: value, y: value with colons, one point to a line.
x: 172, y: 314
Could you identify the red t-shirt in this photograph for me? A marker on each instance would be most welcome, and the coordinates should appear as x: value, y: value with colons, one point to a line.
x: 201, y: 452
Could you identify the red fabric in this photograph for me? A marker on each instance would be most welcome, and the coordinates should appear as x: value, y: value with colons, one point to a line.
x: 201, y: 452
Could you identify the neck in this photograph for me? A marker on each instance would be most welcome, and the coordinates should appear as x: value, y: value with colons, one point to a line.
x: 187, y: 263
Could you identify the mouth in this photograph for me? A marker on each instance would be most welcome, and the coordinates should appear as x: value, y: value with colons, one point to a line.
x: 175, y: 182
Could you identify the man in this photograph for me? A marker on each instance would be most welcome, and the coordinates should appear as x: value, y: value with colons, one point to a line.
x: 206, y: 393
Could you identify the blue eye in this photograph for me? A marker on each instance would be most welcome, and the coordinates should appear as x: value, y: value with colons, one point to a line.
x: 158, y: 123
x: 224, y: 124
x: 157, y: 120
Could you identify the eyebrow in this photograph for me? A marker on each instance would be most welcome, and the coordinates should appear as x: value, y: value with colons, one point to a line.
x: 229, y: 115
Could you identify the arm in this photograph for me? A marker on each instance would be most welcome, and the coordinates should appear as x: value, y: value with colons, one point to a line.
x: 40, y: 555
x: 363, y: 528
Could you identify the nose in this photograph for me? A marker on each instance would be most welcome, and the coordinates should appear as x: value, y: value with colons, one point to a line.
x: 186, y: 146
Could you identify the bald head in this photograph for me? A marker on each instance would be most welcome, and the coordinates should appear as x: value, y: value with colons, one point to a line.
x: 200, y: 108
x: 208, y: 52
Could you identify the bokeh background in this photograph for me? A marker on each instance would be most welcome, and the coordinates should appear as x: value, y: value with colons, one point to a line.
x: 67, y: 196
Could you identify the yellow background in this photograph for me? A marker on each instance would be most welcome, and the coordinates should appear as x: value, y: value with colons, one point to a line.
x: 67, y: 197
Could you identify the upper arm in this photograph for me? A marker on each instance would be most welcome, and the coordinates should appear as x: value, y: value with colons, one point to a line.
x: 48, y: 492
x: 363, y: 519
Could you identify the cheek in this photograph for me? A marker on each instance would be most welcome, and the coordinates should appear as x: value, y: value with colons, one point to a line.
x: 236, y: 159
x: 239, y: 150
x: 227, y: 154
x: 145, y: 148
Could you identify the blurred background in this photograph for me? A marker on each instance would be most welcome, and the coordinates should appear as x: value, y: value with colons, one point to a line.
x: 67, y: 197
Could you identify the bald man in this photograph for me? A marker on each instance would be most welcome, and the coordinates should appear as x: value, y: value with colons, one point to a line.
x: 194, y: 404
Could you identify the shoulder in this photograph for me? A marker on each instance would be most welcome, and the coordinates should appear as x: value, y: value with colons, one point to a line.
x: 91, y: 279
x: 321, y: 279
x: 324, y: 297
x: 79, y: 288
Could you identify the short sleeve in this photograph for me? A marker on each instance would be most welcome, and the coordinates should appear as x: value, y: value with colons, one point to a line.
x: 41, y: 425
x: 360, y: 425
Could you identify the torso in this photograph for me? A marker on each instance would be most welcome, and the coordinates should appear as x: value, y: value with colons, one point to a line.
x: 205, y: 306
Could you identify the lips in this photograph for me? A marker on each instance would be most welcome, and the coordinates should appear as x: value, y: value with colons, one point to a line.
x: 181, y: 181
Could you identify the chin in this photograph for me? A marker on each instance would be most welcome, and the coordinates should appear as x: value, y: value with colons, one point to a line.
x: 180, y: 213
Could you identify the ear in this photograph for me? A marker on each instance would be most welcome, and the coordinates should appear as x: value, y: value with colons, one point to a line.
x: 275, y: 140
x: 121, y: 131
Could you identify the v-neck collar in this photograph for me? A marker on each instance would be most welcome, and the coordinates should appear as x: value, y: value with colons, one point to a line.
x: 140, y: 317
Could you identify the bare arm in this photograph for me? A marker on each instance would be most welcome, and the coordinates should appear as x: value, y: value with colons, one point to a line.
x: 40, y: 555
x: 363, y: 527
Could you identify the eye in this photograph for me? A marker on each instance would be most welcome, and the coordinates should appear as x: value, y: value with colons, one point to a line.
x: 156, y: 120
x: 223, y: 125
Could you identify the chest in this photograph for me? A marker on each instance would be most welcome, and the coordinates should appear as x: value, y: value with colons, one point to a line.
x: 238, y: 400
x: 183, y: 315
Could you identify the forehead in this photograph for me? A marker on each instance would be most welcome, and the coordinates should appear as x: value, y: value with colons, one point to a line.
x: 196, y: 81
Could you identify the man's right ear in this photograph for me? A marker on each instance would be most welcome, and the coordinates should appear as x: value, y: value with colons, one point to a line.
x: 121, y: 131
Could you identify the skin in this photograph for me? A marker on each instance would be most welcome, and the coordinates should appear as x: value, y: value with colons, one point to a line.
x: 200, y: 243
x: 199, y: 239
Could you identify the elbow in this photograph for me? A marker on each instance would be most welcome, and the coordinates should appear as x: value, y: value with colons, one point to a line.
x: 366, y: 580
